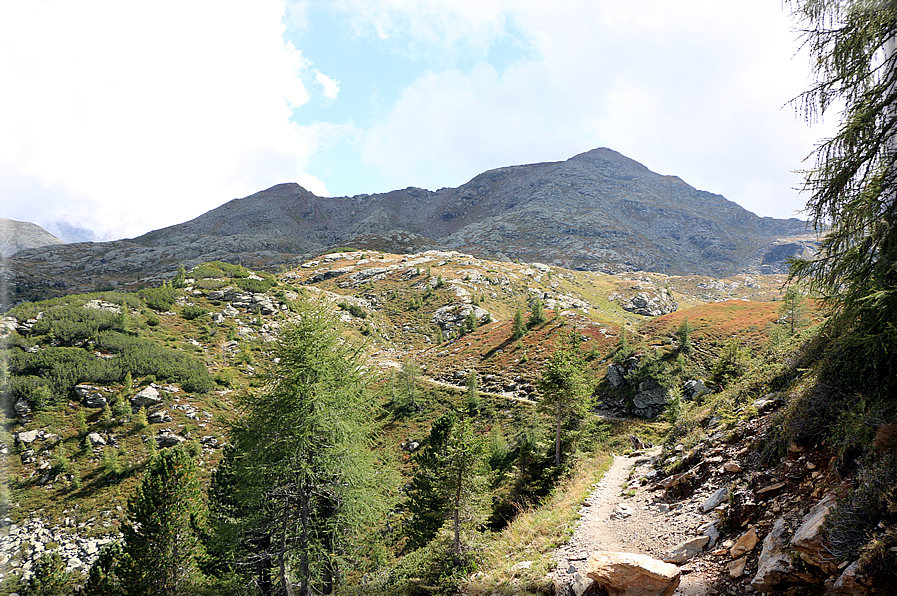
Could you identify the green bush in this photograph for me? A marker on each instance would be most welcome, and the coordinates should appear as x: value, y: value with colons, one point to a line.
x: 191, y: 312
x: 256, y: 286
x: 161, y: 298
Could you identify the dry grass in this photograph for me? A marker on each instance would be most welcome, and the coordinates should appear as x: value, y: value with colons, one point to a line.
x: 534, y: 535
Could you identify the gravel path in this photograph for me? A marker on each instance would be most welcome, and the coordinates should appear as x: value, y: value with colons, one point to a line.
x: 621, y: 515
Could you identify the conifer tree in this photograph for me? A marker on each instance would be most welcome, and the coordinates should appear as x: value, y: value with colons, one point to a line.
x: 462, y: 481
x: 426, y: 504
x: 49, y: 577
x: 102, y: 579
x: 304, y: 475
x: 536, y: 312
x: 853, y: 188
x: 684, y: 337
x: 161, y: 544
x: 564, y: 391
x: 792, y: 309
x: 519, y: 329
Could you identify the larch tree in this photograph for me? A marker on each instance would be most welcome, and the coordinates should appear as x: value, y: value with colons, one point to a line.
x: 302, y: 472
x: 853, y: 186
x: 564, y: 390
x: 462, y: 480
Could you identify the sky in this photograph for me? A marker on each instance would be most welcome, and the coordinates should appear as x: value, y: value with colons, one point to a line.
x: 117, y: 118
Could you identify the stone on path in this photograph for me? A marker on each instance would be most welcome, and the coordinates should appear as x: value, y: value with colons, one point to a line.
x: 684, y: 551
x: 745, y: 543
x: 630, y: 574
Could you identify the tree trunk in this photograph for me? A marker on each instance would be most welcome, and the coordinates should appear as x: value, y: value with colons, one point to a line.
x: 457, y: 520
x: 303, y: 542
x: 282, y: 552
x: 557, y: 438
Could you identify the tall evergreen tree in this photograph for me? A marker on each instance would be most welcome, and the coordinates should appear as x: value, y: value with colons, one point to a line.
x: 302, y: 471
x: 161, y: 545
x: 564, y: 391
x: 536, y: 312
x: 519, y: 328
x: 426, y: 504
x: 462, y: 481
x: 853, y: 188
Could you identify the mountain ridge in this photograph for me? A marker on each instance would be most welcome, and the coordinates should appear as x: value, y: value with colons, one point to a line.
x: 598, y: 210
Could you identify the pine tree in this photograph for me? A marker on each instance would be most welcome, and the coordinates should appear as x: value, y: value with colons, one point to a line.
x: 537, y: 312
x: 102, y: 579
x: 853, y: 187
x: 462, y: 481
x: 684, y: 337
x: 161, y: 536
x: 519, y: 328
x: 304, y: 475
x: 564, y: 391
x: 793, y: 309
x: 426, y: 504
x: 49, y: 577
x: 473, y: 393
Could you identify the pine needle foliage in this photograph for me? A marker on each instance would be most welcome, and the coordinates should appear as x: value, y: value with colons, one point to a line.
x: 853, y: 187
x: 565, y: 391
x: 302, y: 475
x: 161, y: 546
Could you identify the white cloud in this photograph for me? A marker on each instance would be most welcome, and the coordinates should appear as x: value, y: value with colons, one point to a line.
x: 148, y: 113
x: 692, y: 88
x: 331, y: 86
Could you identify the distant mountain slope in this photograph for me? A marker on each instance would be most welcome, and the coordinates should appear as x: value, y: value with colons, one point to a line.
x: 597, y: 211
x: 19, y: 235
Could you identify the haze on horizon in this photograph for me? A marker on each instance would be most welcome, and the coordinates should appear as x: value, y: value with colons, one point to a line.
x: 130, y: 117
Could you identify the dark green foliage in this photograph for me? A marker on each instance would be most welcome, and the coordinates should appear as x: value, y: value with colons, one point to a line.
x: 161, y: 545
x: 471, y: 322
x: 103, y: 579
x: 354, y: 309
x: 425, y: 503
x: 142, y: 357
x: 60, y: 368
x: 191, y: 312
x: 71, y: 324
x: 732, y: 363
x: 536, y: 312
x: 301, y: 476
x: 159, y: 299
x: 256, y: 286
x: 853, y: 188
x: 462, y: 478
x: 519, y: 328
x: 49, y: 577
x: 440, y: 283
x: 683, y: 335
x: 565, y: 391
x: 179, y: 278
x: 623, y: 351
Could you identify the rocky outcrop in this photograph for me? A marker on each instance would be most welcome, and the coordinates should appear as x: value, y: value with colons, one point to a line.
x: 809, y: 539
x: 453, y: 316
x: 25, y: 543
x: 147, y: 398
x: 629, y: 574
x: 651, y: 304
x: 21, y: 235
x: 651, y: 399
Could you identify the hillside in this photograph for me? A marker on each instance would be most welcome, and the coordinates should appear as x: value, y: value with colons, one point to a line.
x: 598, y: 211
x: 206, y: 343
x: 20, y: 235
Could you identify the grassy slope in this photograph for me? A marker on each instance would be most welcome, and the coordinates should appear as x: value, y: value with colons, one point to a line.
x: 398, y: 324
